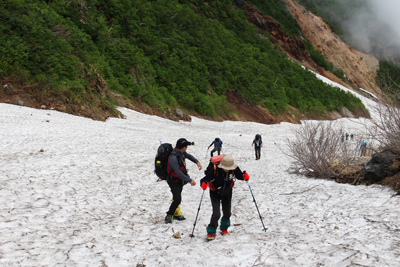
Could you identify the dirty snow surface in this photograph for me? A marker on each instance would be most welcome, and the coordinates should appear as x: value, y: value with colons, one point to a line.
x: 90, y: 198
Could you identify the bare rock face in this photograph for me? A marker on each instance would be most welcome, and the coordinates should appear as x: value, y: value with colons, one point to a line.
x: 346, y: 113
x: 179, y: 113
x: 182, y: 116
x: 359, y: 68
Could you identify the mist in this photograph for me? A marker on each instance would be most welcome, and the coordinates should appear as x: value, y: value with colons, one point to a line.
x: 388, y: 12
x: 370, y: 26
x: 374, y: 28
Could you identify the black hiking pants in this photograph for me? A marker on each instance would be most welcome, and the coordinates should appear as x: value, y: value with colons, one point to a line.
x: 258, y: 151
x: 176, y: 189
x: 215, y: 149
x: 216, y: 202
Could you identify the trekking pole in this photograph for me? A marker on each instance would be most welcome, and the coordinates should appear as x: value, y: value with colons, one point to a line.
x: 194, y: 225
x: 207, y: 152
x: 254, y: 200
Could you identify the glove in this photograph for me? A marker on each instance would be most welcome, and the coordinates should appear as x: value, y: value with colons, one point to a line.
x: 246, y: 176
x: 204, y: 185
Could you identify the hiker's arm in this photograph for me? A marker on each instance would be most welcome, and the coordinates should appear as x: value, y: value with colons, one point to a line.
x: 208, y: 177
x: 193, y: 159
x: 238, y: 173
x: 211, y: 144
x: 174, y: 165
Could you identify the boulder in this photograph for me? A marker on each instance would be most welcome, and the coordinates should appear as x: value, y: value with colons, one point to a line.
x: 380, y: 166
x: 179, y: 113
x: 182, y: 116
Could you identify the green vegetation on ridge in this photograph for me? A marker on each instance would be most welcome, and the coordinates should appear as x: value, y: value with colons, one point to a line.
x: 388, y: 77
x: 165, y: 52
x: 277, y: 10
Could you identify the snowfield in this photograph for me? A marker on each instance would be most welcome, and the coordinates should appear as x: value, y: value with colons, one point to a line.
x: 90, y: 198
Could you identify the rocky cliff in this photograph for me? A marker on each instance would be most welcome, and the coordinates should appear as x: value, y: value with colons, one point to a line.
x: 359, y: 68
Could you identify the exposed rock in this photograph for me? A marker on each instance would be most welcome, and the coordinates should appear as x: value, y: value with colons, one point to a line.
x: 360, y: 68
x: 381, y: 166
x: 249, y: 111
x: 179, y: 113
x: 181, y: 116
x: 347, y: 113
x: 334, y: 115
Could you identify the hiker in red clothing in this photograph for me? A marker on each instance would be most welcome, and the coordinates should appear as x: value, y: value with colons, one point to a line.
x: 220, y: 179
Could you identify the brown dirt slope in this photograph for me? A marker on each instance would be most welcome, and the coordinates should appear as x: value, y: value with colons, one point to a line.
x: 359, y: 68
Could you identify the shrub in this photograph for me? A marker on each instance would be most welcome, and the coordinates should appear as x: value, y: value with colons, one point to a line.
x: 316, y: 147
x: 385, y: 128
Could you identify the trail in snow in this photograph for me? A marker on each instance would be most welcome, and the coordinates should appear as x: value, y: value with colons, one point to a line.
x: 91, y: 198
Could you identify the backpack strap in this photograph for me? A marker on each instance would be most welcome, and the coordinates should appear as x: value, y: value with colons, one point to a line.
x: 181, y: 165
x: 215, y: 161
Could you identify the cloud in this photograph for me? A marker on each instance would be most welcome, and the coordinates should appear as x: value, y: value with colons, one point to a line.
x: 388, y: 12
x: 373, y: 26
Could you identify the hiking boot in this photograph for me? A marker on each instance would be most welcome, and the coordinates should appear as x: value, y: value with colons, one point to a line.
x: 211, y: 236
x: 180, y: 218
x: 224, y: 232
x: 169, y: 218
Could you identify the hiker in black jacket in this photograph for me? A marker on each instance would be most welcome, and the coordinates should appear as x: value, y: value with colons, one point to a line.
x: 178, y: 177
x: 257, y: 142
x: 221, y: 181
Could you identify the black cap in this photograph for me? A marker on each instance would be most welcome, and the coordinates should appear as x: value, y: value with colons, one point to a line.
x: 182, y: 142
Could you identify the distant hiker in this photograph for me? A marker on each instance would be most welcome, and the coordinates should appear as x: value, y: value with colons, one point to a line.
x: 342, y: 137
x: 363, y: 149
x: 217, y: 146
x: 221, y: 181
x: 257, y: 142
x: 352, y: 137
x: 178, y: 177
x: 347, y: 136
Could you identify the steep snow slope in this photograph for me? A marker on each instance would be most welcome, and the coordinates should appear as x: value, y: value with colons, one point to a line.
x: 91, y: 198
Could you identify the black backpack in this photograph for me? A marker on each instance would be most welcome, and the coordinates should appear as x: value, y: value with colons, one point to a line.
x: 161, y: 161
x: 258, y: 137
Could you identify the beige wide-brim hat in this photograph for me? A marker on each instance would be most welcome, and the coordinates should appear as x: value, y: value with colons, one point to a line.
x: 227, y: 163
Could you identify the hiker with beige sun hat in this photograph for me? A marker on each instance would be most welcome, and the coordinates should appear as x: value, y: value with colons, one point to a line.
x: 220, y: 175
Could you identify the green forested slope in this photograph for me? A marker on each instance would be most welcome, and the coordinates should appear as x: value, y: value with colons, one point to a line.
x: 165, y: 52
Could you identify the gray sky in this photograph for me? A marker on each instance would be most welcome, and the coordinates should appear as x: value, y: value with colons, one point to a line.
x: 388, y: 11
x: 377, y: 32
